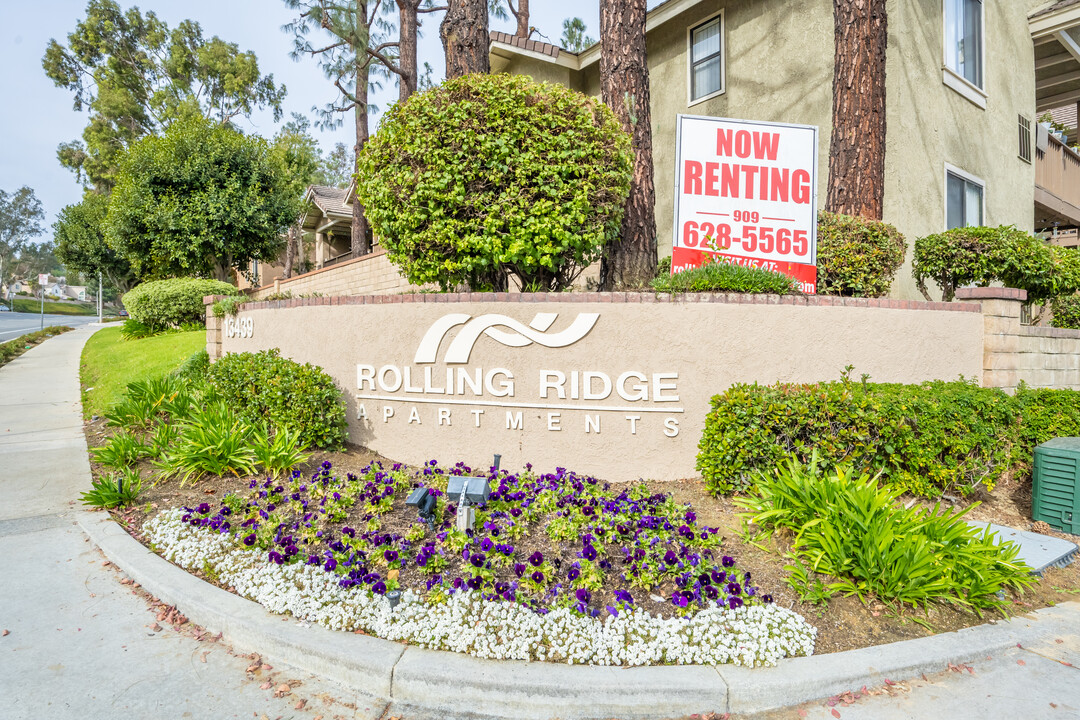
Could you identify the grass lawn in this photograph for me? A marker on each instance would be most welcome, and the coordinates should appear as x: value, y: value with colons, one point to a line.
x: 109, y: 363
x: 30, y: 305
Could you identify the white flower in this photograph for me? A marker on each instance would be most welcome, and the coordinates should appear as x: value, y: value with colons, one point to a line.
x: 752, y: 636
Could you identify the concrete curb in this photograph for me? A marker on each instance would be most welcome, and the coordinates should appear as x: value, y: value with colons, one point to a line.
x: 434, y: 684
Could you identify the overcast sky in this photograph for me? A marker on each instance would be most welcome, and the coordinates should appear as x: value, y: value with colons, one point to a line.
x: 38, y: 115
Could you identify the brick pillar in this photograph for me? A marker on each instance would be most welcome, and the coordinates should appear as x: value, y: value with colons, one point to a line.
x: 1001, y: 333
x: 213, y: 328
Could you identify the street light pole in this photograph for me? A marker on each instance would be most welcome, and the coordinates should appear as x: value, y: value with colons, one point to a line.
x: 99, y: 317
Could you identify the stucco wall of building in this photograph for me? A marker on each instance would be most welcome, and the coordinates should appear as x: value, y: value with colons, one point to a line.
x: 930, y: 124
x: 779, y: 68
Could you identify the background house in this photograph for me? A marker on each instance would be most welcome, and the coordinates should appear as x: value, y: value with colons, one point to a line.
x: 961, y: 84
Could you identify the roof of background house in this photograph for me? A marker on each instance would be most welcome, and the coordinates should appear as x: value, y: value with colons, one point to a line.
x: 1059, y: 5
x: 533, y: 45
x: 1065, y: 115
x: 331, y: 200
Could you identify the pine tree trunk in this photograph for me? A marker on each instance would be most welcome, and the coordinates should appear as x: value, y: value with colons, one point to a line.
x: 465, y: 38
x: 360, y: 242
x: 857, y: 148
x: 522, y: 17
x: 407, y: 34
x: 624, y: 85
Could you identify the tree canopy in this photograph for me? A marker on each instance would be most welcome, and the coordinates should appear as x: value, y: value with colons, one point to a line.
x: 201, y: 199
x: 80, y: 243
x: 136, y: 76
x: 20, y: 220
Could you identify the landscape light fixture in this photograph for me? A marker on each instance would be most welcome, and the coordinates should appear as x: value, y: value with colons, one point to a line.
x: 469, y: 491
x: 424, y: 502
x: 394, y: 596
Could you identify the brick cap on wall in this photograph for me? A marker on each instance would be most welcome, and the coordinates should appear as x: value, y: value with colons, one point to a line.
x: 618, y: 297
x: 991, y: 293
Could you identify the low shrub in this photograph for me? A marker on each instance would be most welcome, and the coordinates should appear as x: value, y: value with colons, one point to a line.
x: 928, y: 439
x: 193, y: 370
x: 278, y: 452
x: 215, y: 440
x: 147, y: 400
x: 227, y: 306
x: 135, y: 330
x: 1066, y: 311
x: 123, y: 450
x: 983, y: 255
x: 265, y: 387
x: 850, y: 528
x: 857, y: 257
x: 1045, y: 414
x: 114, y: 489
x: 722, y: 276
x: 171, y: 303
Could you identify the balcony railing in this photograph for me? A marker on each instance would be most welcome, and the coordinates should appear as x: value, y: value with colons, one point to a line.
x: 1057, y: 171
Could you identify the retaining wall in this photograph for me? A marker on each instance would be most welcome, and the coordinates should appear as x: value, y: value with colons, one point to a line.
x: 1038, y: 356
x: 613, y: 384
x: 371, y: 274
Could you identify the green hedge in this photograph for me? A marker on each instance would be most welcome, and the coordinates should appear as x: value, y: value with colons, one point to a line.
x: 929, y: 439
x: 857, y: 257
x: 171, y: 303
x: 264, y: 386
x: 1066, y: 312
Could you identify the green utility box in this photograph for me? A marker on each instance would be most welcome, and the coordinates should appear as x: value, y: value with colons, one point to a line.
x: 1055, y: 496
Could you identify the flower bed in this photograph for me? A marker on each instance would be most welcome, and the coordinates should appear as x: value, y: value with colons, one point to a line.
x: 560, y: 567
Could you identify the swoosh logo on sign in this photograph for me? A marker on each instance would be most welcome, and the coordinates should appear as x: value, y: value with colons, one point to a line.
x: 515, y: 334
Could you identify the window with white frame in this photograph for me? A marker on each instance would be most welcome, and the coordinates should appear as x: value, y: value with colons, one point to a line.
x: 707, y: 59
x: 964, y: 39
x: 963, y: 200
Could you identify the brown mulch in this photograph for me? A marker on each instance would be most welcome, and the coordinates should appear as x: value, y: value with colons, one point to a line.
x: 844, y: 624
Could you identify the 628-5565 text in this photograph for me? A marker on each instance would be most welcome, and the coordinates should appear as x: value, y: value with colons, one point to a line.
x: 755, y: 238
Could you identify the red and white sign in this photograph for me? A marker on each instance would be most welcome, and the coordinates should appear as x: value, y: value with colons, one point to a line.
x: 43, y: 280
x: 746, y: 193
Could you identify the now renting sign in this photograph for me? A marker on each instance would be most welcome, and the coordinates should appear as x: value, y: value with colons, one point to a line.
x: 746, y: 193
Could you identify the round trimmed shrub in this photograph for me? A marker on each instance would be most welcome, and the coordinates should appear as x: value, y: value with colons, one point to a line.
x: 489, y: 175
x: 265, y: 387
x: 857, y: 257
x: 171, y: 303
x: 983, y: 255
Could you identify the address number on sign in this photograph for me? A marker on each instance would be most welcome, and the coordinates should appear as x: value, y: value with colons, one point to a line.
x: 242, y: 327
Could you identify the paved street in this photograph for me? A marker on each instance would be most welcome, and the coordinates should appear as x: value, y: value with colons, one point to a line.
x: 14, y: 324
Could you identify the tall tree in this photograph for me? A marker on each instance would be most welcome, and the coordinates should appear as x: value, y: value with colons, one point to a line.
x: 465, y: 37
x: 303, y: 161
x: 521, y: 16
x: 857, y: 147
x: 624, y: 86
x: 403, y: 62
x: 135, y: 76
x: 574, y: 37
x: 20, y: 220
x: 356, y: 52
x: 201, y: 199
x: 79, y: 233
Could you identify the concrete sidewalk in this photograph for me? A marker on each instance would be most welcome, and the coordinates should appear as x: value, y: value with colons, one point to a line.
x: 80, y: 644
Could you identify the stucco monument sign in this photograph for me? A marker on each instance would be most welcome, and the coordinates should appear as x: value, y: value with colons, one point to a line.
x: 746, y: 192
x: 616, y: 385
